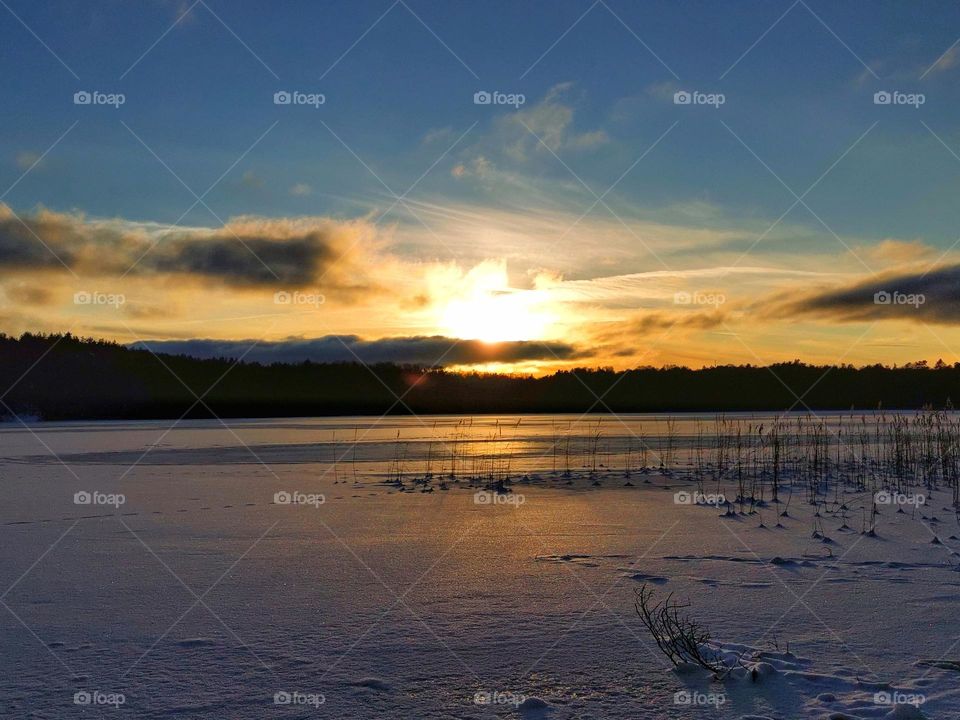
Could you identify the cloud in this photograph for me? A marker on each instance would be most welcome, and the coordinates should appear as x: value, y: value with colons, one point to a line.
x: 22, y: 240
x: 544, y: 127
x: 478, y: 167
x: 418, y: 350
x: 897, y: 252
x: 640, y: 332
x: 703, y: 320
x: 587, y: 140
x: 552, y: 236
x: 444, y: 136
x: 932, y: 297
x: 661, y: 286
x: 259, y: 252
x: 301, y: 190
x: 246, y: 252
x: 689, y: 336
x: 252, y: 253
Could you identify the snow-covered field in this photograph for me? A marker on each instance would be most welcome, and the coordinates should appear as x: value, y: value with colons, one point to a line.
x: 186, y: 587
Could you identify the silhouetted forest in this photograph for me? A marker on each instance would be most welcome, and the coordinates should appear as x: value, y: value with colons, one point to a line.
x: 59, y: 377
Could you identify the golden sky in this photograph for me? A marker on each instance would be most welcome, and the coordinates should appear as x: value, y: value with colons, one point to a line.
x: 274, y: 285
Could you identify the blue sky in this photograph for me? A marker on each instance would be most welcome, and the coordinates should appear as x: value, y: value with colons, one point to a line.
x: 798, y: 80
x: 199, y: 98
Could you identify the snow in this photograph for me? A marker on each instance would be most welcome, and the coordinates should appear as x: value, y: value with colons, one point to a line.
x: 198, y: 596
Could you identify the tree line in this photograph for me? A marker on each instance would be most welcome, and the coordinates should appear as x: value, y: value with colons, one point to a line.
x: 63, y: 377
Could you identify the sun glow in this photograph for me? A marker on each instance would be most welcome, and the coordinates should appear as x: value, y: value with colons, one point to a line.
x: 489, y: 310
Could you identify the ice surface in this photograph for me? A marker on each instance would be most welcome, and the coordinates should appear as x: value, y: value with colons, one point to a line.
x: 201, y: 596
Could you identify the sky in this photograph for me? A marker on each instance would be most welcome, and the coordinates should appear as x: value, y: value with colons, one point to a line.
x: 507, y: 186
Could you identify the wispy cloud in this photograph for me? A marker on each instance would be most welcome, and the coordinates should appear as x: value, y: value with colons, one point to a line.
x: 534, y: 132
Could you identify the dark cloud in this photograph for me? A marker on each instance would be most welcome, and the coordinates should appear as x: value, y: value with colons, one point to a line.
x: 255, y: 260
x: 22, y: 241
x: 664, y: 321
x: 419, y: 350
x: 932, y: 296
x: 247, y: 252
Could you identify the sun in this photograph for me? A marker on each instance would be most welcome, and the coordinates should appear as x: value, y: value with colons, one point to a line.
x: 488, y: 310
x: 493, y: 318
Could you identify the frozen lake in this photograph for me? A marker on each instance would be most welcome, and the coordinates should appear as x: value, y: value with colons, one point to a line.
x: 158, y: 566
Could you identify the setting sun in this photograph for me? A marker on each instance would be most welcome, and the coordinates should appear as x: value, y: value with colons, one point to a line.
x: 491, y: 311
x: 495, y: 318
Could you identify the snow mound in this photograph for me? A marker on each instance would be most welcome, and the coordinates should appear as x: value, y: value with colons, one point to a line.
x: 533, y: 705
x: 372, y: 683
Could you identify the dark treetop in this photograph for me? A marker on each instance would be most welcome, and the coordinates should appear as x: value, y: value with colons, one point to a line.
x: 60, y: 377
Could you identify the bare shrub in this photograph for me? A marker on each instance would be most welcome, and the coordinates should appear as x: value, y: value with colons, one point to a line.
x: 678, y: 635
